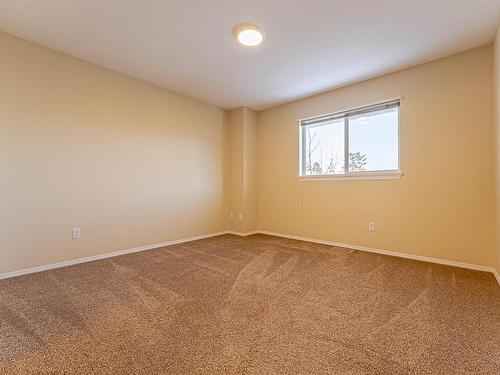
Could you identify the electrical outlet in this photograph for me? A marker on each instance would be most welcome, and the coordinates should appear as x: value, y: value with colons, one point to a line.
x: 76, y: 233
x: 240, y: 216
x: 371, y: 226
x: 231, y: 215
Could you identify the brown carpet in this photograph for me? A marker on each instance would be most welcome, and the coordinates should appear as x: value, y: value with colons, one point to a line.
x: 255, y: 305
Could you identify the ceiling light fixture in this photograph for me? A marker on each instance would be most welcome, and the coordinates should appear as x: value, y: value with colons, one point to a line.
x: 249, y: 35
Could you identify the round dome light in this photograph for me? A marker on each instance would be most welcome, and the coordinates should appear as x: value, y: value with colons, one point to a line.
x: 249, y: 35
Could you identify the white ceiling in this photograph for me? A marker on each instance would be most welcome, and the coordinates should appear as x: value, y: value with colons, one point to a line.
x: 310, y: 45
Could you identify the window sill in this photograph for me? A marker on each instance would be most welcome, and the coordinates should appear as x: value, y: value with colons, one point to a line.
x: 376, y: 175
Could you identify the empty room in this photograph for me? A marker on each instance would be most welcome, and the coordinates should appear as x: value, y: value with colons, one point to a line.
x: 249, y: 187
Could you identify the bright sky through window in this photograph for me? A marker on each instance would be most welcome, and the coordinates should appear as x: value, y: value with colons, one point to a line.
x: 357, y: 141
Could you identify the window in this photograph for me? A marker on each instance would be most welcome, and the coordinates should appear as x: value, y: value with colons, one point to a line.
x: 355, y: 143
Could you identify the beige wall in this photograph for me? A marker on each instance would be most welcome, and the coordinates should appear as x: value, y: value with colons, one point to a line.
x: 443, y: 205
x: 243, y: 123
x: 497, y: 127
x: 80, y: 146
x: 236, y: 167
x: 132, y: 164
x: 250, y: 169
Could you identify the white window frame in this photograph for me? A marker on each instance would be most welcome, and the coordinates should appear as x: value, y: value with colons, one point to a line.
x: 364, y: 175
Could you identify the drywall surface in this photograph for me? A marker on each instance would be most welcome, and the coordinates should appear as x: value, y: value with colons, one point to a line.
x: 442, y: 206
x: 81, y: 146
x: 497, y: 141
x: 243, y: 124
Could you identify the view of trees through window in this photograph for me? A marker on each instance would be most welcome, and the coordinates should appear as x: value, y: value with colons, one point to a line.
x: 371, y: 139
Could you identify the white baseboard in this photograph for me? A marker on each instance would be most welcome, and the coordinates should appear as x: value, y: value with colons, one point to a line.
x: 242, y: 234
x: 71, y: 262
x: 390, y: 253
x: 497, y: 276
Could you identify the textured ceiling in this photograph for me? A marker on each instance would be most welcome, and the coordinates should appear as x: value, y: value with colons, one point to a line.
x: 310, y: 45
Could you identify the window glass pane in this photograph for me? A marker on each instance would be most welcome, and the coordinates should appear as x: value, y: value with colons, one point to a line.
x: 373, y: 141
x: 323, y: 148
